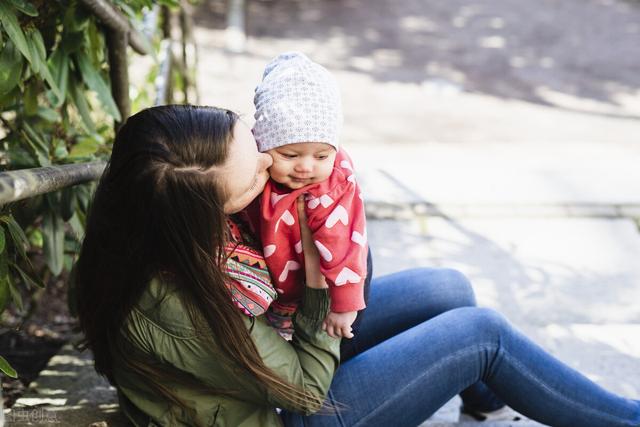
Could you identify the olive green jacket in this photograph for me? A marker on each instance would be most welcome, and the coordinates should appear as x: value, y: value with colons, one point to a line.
x: 160, y: 328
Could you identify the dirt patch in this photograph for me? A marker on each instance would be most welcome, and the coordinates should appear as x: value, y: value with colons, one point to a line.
x: 28, y: 339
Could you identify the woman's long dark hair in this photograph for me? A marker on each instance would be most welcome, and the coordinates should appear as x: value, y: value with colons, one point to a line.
x: 159, y: 209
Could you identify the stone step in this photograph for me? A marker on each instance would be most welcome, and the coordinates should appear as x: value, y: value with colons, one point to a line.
x: 68, y: 392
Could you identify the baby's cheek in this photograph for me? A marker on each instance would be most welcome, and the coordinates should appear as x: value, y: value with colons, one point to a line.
x: 324, y: 173
x: 277, y: 170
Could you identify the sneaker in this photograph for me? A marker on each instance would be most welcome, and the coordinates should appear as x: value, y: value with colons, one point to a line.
x: 503, y: 414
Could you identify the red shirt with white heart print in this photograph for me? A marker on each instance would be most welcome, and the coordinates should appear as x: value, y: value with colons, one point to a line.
x: 335, y: 214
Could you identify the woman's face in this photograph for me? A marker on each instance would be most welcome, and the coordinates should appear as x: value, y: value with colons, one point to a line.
x: 244, y: 174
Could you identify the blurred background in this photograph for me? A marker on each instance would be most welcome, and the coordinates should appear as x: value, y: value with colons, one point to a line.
x: 500, y: 138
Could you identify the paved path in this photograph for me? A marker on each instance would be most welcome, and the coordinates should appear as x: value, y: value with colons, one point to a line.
x: 68, y: 392
x: 496, y: 137
x: 448, y: 70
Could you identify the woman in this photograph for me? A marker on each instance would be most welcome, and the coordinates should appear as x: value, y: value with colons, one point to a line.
x: 156, y: 303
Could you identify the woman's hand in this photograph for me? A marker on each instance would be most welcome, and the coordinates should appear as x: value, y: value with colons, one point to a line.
x: 315, y: 279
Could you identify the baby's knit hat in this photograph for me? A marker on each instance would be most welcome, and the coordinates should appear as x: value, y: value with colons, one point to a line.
x: 297, y: 101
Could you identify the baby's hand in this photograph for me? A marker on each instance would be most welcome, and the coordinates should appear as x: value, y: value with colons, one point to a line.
x: 339, y: 324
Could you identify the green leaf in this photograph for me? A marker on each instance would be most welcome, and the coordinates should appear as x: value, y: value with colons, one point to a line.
x: 5, y: 292
x: 60, y: 151
x: 170, y: 3
x: 12, y: 27
x: 4, y: 265
x: 59, y: 63
x: 31, y: 98
x: 4, y: 282
x: 68, y: 203
x: 15, y: 295
x: 8, y: 100
x: 72, y: 42
x: 2, y: 240
x: 39, y: 157
x: 76, y: 19
x: 69, y: 260
x: 48, y: 114
x: 7, y: 369
x: 19, y: 156
x: 37, y: 47
x: 27, y: 279
x: 94, y: 80
x: 39, y: 56
x: 86, y: 146
x: 37, y: 143
x: 84, y: 194
x: 94, y: 42
x: 128, y: 10
x: 25, y: 7
x: 76, y: 227
x: 53, y: 235
x: 35, y: 238
x: 81, y: 104
x: 71, y: 245
x: 10, y: 67
x: 17, y: 235
x: 36, y: 136
x: 34, y: 62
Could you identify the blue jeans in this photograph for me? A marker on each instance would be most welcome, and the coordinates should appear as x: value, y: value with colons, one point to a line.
x: 422, y: 341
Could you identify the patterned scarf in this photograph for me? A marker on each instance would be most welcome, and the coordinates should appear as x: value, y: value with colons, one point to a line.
x: 251, y: 288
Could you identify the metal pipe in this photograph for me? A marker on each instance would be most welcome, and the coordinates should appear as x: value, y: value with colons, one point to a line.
x: 25, y: 183
x: 114, y: 20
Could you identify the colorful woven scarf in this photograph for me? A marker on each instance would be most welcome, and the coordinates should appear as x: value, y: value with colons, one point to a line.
x: 251, y: 287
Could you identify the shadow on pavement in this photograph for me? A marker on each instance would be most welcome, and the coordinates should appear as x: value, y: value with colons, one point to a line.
x: 574, y: 55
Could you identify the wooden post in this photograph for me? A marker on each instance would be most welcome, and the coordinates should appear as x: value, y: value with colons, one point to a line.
x: 189, y: 53
x: 114, y: 20
x: 119, y: 72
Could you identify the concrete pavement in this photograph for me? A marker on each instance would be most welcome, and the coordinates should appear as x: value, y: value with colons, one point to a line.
x: 498, y: 138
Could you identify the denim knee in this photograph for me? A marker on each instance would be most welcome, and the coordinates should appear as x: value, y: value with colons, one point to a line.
x: 489, y: 322
x: 459, y: 284
x: 463, y: 284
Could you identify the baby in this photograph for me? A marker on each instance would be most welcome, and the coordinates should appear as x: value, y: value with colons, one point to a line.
x: 298, y: 120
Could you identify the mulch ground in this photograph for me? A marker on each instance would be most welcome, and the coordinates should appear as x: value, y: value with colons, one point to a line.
x: 29, y: 343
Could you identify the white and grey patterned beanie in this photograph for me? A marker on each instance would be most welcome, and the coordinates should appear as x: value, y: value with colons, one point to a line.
x: 297, y: 101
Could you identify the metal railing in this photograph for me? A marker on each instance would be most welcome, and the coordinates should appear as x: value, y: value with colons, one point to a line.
x: 21, y: 184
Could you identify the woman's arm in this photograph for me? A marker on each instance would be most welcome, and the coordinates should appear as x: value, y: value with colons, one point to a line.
x: 312, y: 356
x: 309, y: 361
